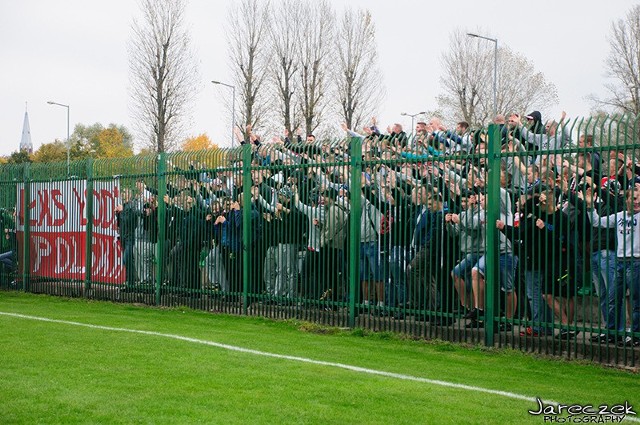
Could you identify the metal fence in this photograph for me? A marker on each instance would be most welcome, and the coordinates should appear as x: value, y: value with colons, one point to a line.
x: 507, y: 236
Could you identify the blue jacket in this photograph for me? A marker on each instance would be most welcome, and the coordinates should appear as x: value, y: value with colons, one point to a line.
x: 429, y: 229
x: 229, y: 233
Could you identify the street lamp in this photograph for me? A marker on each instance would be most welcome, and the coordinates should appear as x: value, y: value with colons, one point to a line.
x: 68, y: 142
x: 495, y: 68
x: 233, y: 106
x: 404, y: 114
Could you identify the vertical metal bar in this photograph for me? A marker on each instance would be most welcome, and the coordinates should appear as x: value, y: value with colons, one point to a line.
x: 161, y: 178
x: 26, y: 237
x: 354, y: 231
x: 492, y: 249
x: 246, y: 224
x: 89, y: 227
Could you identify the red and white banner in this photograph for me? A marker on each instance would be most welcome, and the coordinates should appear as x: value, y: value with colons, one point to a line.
x: 58, y: 224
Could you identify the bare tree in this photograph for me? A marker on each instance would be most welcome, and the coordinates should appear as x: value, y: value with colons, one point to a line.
x: 315, y: 55
x: 520, y: 86
x: 468, y: 81
x: 163, y: 74
x: 359, y: 82
x: 623, y: 65
x: 248, y: 35
x: 285, y: 37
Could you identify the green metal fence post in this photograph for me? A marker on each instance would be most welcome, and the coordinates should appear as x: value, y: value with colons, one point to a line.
x: 354, y: 231
x: 492, y: 304
x: 161, y: 174
x: 26, y: 234
x: 246, y: 225
x: 89, y: 229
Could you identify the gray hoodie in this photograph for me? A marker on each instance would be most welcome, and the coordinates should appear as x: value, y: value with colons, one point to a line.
x: 471, y: 230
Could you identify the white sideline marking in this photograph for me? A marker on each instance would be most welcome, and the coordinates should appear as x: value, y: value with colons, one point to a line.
x: 301, y: 359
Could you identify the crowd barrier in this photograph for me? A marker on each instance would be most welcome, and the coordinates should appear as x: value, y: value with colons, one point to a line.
x: 487, y: 237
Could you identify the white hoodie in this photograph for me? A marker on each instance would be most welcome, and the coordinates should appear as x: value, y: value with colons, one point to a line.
x: 627, y: 231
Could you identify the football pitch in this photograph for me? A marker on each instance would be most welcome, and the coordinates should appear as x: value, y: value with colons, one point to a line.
x: 77, y: 361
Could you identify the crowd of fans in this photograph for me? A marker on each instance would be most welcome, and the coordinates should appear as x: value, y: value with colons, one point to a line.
x: 564, y: 220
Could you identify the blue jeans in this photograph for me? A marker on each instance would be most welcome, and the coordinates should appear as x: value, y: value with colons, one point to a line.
x: 506, y: 271
x: 628, y: 277
x: 371, y: 269
x: 603, y: 271
x: 540, y: 311
x: 399, y: 259
x: 127, y: 260
x: 7, y: 259
x: 464, y: 267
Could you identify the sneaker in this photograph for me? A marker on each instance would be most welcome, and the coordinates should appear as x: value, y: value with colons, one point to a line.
x: 472, y: 314
x: 603, y: 339
x: 629, y: 342
x: 505, y: 327
x: 567, y: 334
x: 529, y: 331
x: 475, y: 324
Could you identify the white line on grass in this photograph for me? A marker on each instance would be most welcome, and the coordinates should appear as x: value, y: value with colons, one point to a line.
x: 300, y: 359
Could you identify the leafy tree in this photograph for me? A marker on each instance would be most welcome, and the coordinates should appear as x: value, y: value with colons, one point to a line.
x: 51, y: 152
x: 197, y: 143
x: 110, y: 144
x: 96, y: 141
x: 19, y: 157
x: 83, y: 139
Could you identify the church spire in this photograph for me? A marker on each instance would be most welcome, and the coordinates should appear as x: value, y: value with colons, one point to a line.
x: 25, y: 142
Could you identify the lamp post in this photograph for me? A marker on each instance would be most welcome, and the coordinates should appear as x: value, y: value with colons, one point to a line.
x: 68, y: 142
x: 495, y: 68
x: 233, y: 106
x: 404, y: 114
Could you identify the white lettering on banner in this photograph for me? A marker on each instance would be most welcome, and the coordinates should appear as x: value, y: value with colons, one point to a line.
x: 105, y: 199
x: 81, y: 203
x: 41, y: 249
x: 53, y: 206
x: 57, y: 213
x: 58, y: 254
x: 106, y: 265
x: 68, y: 259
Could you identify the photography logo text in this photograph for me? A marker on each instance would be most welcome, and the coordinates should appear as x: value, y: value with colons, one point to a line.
x: 585, y: 414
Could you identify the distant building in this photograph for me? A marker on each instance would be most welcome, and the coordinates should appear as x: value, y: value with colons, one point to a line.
x: 25, y: 142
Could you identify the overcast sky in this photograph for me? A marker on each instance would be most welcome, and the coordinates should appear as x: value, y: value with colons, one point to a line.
x: 75, y: 52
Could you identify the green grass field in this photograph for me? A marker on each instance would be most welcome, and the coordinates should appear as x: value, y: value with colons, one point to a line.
x: 56, y: 372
